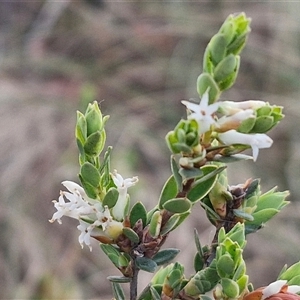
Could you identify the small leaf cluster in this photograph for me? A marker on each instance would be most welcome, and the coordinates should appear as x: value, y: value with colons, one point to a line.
x: 244, y: 203
x: 90, y: 136
x: 266, y: 207
x: 230, y: 264
x: 266, y: 117
x: 168, y: 281
x: 185, y: 137
x: 291, y: 274
x: 221, y: 59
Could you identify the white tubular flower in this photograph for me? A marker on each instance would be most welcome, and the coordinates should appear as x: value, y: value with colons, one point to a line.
x: 255, y: 141
x: 230, y: 107
x: 277, y: 290
x: 122, y: 186
x: 226, y: 123
x: 202, y: 112
x: 280, y: 286
x: 94, y: 220
x: 272, y: 288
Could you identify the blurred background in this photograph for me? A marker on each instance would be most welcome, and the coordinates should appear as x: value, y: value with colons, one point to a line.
x: 140, y: 59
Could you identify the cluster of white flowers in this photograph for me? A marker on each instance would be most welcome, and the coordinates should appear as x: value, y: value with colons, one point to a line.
x: 233, y: 114
x: 94, y: 219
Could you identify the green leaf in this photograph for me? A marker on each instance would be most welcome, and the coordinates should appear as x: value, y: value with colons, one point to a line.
x: 264, y: 111
x: 171, y: 224
x: 123, y: 261
x: 146, y: 294
x: 236, y: 46
x: 182, y: 217
x: 94, y: 143
x: 217, y: 46
x: 168, y: 192
x: 155, y: 224
x: 243, y: 283
x: 240, y: 271
x: 118, y: 291
x: 175, y: 171
x: 137, y: 212
x: 198, y: 262
x: 106, y: 161
x: 206, y: 81
x: 225, y: 68
x: 81, y: 151
x: 89, y: 189
x: 114, y: 259
x: 146, y: 264
x: 208, y: 66
x: 175, y: 278
x: 203, y: 286
x: 210, y: 212
x: 263, y: 124
x: 262, y: 216
x: 295, y: 280
x: 236, y: 234
x: 181, y: 147
x: 165, y: 256
x: 107, y: 249
x: 272, y: 199
x: 90, y: 174
x: 241, y: 214
x: 150, y: 214
x: 253, y: 189
x: 81, y: 129
x: 119, y: 279
x: 132, y: 235
x: 284, y: 268
x: 190, y: 173
x: 230, y: 288
x: 197, y: 243
x: 227, y: 82
x: 114, y: 255
x: 246, y: 125
x: 251, y: 228
x: 178, y: 205
x: 202, y: 186
x: 225, y: 265
x: 155, y: 295
x: 111, y: 197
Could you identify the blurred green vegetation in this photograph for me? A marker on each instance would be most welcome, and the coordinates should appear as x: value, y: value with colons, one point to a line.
x: 139, y: 59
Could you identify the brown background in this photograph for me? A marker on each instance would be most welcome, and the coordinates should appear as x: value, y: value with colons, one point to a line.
x: 141, y: 58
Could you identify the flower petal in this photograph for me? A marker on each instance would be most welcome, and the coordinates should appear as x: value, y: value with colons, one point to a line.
x: 273, y: 288
x: 232, y: 107
x: 255, y: 141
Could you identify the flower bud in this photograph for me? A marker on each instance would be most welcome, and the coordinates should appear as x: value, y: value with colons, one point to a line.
x: 255, y: 141
x: 93, y: 118
x: 219, y: 194
x: 184, y: 137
